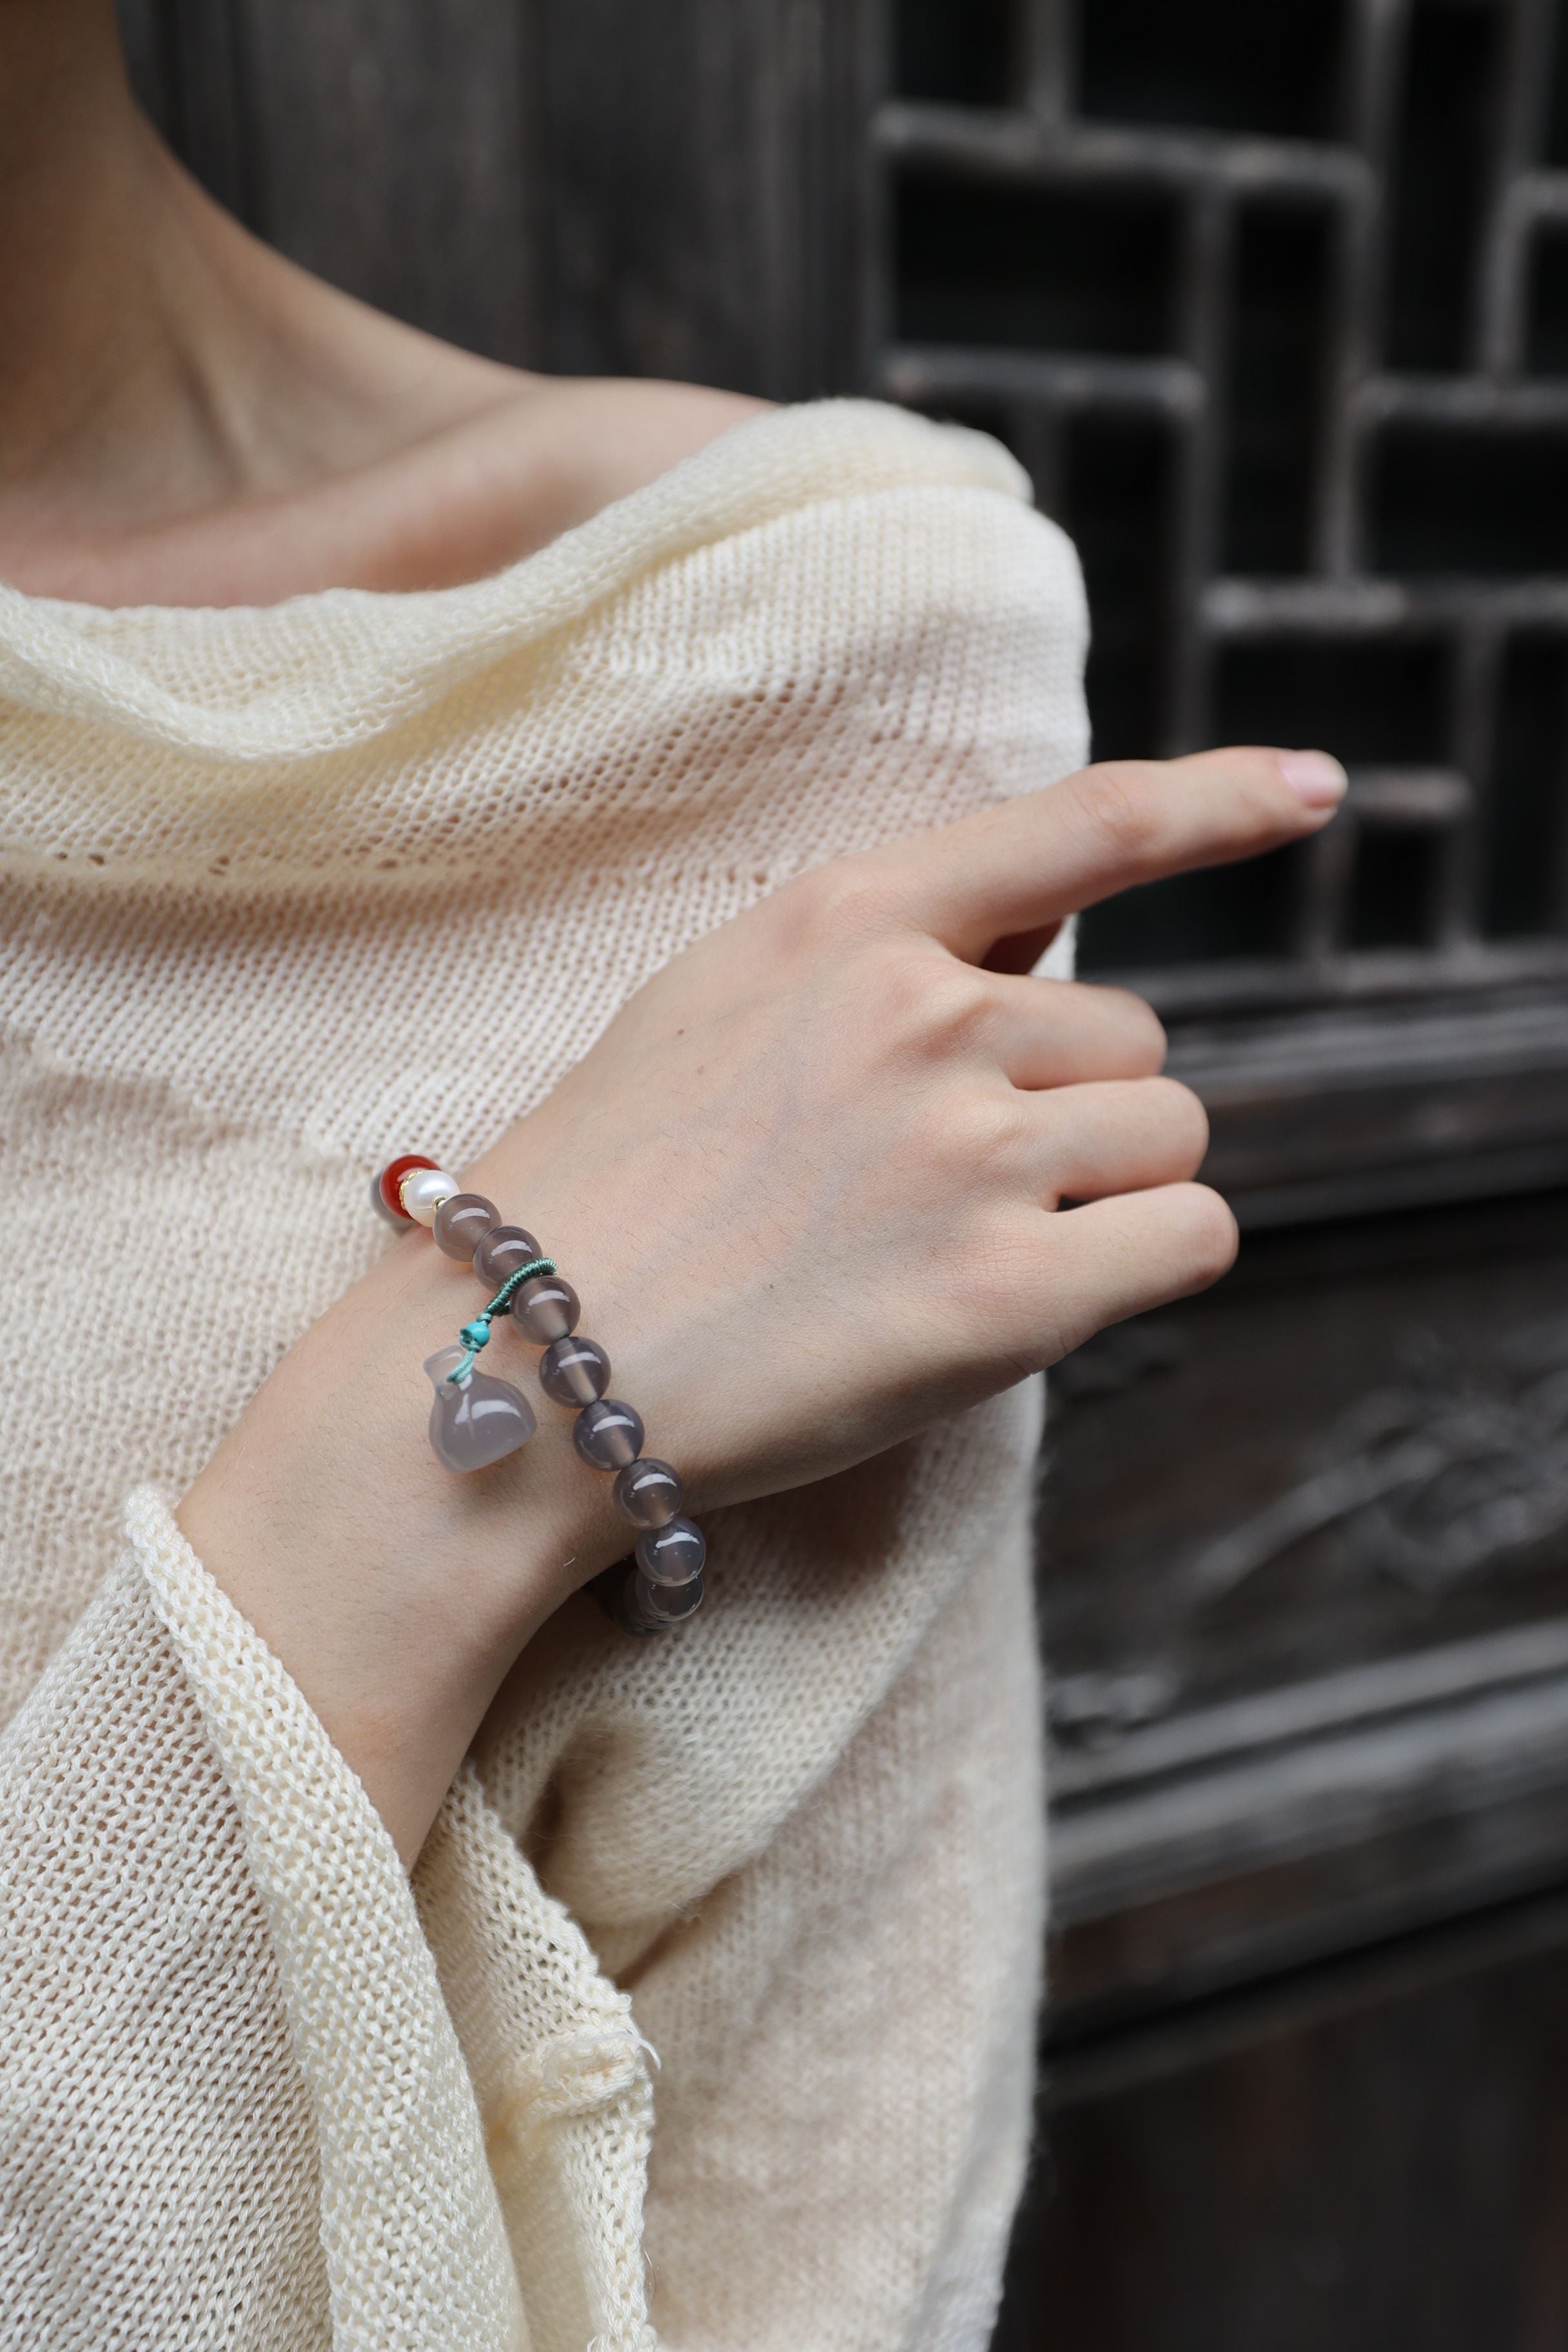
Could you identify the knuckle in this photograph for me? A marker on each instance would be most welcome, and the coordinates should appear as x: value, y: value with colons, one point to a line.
x: 956, y: 1005
x: 1142, y: 1029
x: 1183, y: 1118
x: 1000, y: 1268
x: 997, y: 1137
x: 833, y: 905
x: 1121, y: 810
x: 923, y: 1000
x: 1208, y: 1235
x: 968, y: 1134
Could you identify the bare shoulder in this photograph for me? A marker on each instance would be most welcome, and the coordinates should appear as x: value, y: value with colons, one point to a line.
x: 395, y: 462
x: 441, y: 465
x: 325, y: 444
x: 621, y: 431
x: 564, y: 448
x: 486, y: 488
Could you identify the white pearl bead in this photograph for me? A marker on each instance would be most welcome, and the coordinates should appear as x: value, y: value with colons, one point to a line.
x: 422, y: 1192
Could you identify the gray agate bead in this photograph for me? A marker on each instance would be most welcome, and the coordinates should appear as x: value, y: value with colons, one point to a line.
x: 652, y: 1606
x: 649, y: 1492
x: 477, y: 1421
x: 672, y: 1554
x: 575, y: 1370
x: 501, y: 1252
x: 378, y: 1203
x: 607, y: 1434
x: 546, y: 1309
x: 462, y: 1223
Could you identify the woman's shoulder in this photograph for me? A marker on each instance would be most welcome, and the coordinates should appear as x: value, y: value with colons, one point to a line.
x: 495, y: 466
x: 863, y: 523
x: 434, y: 478
x: 566, y: 449
x: 601, y: 437
x: 499, y: 486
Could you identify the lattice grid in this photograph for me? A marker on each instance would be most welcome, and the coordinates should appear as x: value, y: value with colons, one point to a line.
x: 1272, y: 299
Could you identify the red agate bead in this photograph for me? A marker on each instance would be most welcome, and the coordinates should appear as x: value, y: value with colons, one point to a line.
x: 385, y: 1192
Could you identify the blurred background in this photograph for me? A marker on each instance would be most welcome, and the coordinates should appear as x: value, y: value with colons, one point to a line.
x: 1271, y: 299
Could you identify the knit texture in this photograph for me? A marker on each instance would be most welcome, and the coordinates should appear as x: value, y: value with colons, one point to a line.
x: 283, y: 891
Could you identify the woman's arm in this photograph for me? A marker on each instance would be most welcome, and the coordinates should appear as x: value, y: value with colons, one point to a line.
x: 808, y: 1184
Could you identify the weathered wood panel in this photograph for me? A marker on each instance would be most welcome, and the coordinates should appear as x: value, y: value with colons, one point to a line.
x: 704, y: 189
x: 1332, y: 1113
x: 572, y: 184
x: 383, y: 143
x: 391, y: 138
x: 1370, y: 2158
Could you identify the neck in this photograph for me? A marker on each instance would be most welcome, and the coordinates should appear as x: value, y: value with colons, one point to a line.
x: 159, y: 364
x: 187, y: 419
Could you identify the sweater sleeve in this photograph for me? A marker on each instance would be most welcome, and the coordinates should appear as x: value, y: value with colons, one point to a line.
x: 233, y: 2110
x: 154, y: 2123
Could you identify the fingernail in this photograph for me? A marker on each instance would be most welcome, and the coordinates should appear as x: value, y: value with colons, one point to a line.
x: 1317, y: 780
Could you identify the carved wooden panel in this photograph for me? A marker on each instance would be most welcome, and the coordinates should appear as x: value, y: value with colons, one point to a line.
x: 1306, y: 1601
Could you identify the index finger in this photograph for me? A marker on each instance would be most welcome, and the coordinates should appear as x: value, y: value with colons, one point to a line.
x: 1031, y: 862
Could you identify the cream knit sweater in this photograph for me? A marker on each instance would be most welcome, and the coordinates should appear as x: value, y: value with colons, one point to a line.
x: 282, y: 891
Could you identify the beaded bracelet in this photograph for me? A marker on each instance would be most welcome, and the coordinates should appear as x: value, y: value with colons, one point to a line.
x: 477, y: 1417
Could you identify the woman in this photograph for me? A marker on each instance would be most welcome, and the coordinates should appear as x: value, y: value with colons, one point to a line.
x: 630, y: 796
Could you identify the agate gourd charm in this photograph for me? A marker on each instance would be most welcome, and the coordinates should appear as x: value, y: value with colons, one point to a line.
x: 475, y: 1419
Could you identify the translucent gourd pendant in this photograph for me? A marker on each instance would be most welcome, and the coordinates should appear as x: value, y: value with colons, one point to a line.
x: 478, y: 1420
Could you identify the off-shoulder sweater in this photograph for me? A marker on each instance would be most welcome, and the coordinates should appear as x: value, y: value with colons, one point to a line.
x: 707, y: 2007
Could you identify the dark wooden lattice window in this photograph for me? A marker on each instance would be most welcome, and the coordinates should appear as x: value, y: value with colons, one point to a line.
x: 1274, y: 306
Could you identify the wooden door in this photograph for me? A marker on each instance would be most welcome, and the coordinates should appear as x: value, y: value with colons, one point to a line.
x: 1273, y: 301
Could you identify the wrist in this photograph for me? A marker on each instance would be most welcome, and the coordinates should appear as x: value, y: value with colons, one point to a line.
x: 396, y: 1594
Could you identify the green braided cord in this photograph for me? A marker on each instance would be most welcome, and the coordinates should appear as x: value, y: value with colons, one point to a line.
x: 477, y: 1334
x: 515, y: 1281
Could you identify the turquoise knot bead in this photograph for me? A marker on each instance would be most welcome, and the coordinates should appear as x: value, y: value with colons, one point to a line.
x: 475, y: 1334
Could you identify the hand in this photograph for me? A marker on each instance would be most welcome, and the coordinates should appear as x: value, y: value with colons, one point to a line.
x: 810, y: 1176
x: 809, y: 1184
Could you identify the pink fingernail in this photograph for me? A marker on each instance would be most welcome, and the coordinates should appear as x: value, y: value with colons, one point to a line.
x: 1317, y: 780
